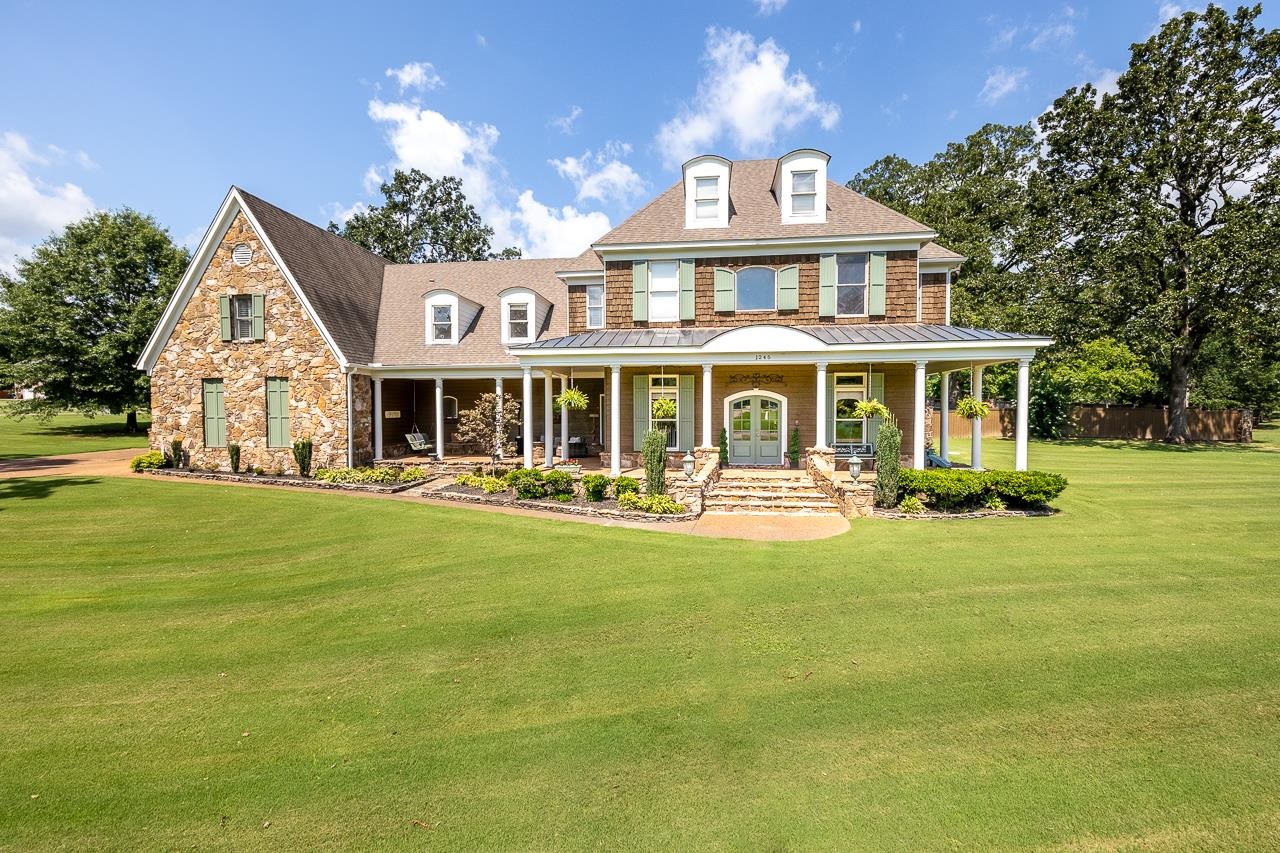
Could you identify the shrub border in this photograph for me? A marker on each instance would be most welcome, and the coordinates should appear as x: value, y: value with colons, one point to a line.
x: 266, y: 480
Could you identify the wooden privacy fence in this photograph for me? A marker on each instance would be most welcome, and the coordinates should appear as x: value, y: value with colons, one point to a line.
x: 1135, y: 422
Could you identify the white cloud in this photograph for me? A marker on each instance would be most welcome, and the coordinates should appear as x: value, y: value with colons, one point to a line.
x: 1052, y: 35
x: 416, y: 75
x: 769, y: 7
x: 565, y: 122
x: 857, y: 26
x: 602, y: 176
x: 1002, y: 82
x: 31, y: 208
x: 746, y: 95
x: 1107, y: 82
x: 1169, y: 11
x: 1004, y: 37
x: 481, y: 41
x: 422, y: 138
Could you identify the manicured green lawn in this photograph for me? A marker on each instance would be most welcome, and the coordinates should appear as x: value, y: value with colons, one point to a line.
x: 65, y: 433
x: 181, y: 664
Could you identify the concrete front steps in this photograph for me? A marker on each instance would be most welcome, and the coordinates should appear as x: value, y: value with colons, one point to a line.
x: 768, y: 492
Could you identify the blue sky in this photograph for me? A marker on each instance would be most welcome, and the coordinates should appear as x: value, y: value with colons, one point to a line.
x: 560, y: 119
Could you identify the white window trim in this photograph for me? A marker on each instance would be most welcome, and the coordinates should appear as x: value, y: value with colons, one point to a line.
x: 603, y: 297
x: 444, y: 407
x: 675, y: 289
x: 454, y: 305
x: 738, y: 310
x: 812, y: 194
x: 835, y: 399
x: 675, y: 433
x: 241, y: 299
x: 866, y: 284
x: 528, y: 321
x: 700, y: 200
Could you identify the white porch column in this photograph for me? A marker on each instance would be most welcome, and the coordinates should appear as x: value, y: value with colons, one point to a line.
x: 707, y: 441
x: 564, y: 423
x: 1020, y: 434
x: 497, y: 389
x: 917, y: 428
x: 615, y: 420
x: 820, y: 438
x: 944, y: 420
x: 975, y: 447
x: 440, y: 419
x: 377, y: 418
x: 548, y: 409
x: 526, y: 412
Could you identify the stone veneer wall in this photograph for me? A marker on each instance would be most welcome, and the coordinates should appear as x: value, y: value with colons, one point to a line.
x: 292, y: 349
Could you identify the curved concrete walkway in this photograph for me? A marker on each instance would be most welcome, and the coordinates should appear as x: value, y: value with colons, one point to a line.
x: 760, y: 528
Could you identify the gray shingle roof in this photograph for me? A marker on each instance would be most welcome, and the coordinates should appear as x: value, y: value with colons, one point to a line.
x: 931, y: 251
x: 342, y: 281
x: 866, y: 333
x: 754, y: 214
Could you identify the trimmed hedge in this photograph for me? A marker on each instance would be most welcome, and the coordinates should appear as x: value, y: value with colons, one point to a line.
x: 625, y: 485
x: 962, y: 489
x: 595, y: 485
x: 527, y: 483
x: 558, y: 484
x: 149, y: 461
x: 652, y: 504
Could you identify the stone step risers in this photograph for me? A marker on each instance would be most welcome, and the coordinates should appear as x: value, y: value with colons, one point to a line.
x: 784, y: 495
x: 771, y: 493
x: 772, y: 507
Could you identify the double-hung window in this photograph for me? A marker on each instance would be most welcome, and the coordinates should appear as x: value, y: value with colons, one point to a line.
x: 851, y: 285
x: 242, y: 317
x: 441, y: 323
x: 706, y: 198
x: 804, y: 192
x: 664, y: 291
x: 664, y: 406
x: 518, y: 321
x: 595, y: 306
x: 850, y: 389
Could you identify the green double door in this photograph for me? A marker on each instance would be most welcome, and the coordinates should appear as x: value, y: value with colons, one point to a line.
x: 755, y: 431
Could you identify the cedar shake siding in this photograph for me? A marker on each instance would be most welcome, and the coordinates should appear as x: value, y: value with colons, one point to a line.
x: 291, y: 348
x: 933, y: 298
x: 899, y: 303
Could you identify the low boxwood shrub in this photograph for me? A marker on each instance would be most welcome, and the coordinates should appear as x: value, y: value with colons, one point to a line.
x: 414, y: 472
x: 359, y: 476
x: 1026, y: 488
x: 911, y: 505
x: 625, y: 486
x: 527, y: 483
x: 148, y: 461
x: 961, y: 488
x: 652, y: 504
x: 558, y: 484
x: 594, y: 486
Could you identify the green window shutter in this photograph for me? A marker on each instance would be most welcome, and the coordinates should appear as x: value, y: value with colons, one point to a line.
x: 684, y: 426
x: 686, y: 290
x: 639, y: 410
x: 827, y: 286
x: 224, y: 316
x: 215, y: 414
x: 278, y: 413
x: 789, y: 288
x: 725, y: 282
x: 876, y: 306
x: 259, y: 316
x: 876, y: 390
x: 640, y: 291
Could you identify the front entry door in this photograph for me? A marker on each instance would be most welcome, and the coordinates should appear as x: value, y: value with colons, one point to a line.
x: 755, y: 435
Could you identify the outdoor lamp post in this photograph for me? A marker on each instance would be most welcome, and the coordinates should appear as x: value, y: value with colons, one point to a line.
x: 687, y: 464
x: 855, y: 466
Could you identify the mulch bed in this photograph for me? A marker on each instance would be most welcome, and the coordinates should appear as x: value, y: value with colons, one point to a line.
x: 578, y: 506
x: 284, y: 480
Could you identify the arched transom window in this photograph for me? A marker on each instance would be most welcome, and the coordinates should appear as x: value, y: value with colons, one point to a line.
x: 757, y: 289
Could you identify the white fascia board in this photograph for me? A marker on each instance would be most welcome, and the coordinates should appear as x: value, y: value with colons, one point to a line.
x: 770, y: 246
x: 231, y: 205
x: 443, y: 371
x: 940, y: 264
x: 578, y: 275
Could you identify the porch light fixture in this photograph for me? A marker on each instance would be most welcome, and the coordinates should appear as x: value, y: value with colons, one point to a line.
x: 687, y: 464
x: 855, y: 467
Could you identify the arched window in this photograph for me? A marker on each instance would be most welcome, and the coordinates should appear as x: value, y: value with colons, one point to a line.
x: 450, y: 408
x: 757, y: 289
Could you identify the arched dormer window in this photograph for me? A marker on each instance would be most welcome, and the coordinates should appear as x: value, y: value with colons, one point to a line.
x: 756, y: 289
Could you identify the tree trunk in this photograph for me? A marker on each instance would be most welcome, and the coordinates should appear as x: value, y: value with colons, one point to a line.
x: 131, y: 421
x: 1179, y: 389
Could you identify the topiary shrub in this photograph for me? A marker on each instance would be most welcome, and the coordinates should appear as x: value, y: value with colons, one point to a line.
x: 148, y: 461
x: 888, y: 463
x: 654, y: 449
x: 652, y: 504
x: 625, y: 486
x: 233, y: 450
x: 559, y: 484
x: 175, y: 452
x: 302, y: 456
x: 594, y: 486
x: 527, y: 483
x: 724, y: 447
x: 793, y: 450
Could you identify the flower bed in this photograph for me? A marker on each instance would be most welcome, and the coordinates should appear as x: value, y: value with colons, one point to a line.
x: 375, y: 485
x: 554, y: 491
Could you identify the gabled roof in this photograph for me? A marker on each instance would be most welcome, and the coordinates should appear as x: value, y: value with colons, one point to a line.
x: 754, y: 214
x: 341, y: 281
x: 931, y: 251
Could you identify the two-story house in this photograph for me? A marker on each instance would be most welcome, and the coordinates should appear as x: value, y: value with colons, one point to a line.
x: 757, y: 296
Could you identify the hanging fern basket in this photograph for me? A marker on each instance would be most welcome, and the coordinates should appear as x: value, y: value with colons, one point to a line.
x: 972, y: 408
x: 572, y: 399
x: 663, y: 409
x: 872, y: 408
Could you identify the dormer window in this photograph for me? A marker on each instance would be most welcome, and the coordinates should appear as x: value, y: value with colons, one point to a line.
x: 804, y: 192
x: 518, y: 321
x: 448, y: 317
x: 442, y: 324
x: 707, y: 198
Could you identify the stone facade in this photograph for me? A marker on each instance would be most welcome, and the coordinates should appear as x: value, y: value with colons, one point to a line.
x: 292, y: 348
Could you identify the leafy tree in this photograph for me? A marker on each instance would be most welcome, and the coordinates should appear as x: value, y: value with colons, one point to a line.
x: 1159, y: 201
x: 1103, y: 371
x: 489, y: 427
x: 75, y: 318
x: 423, y: 219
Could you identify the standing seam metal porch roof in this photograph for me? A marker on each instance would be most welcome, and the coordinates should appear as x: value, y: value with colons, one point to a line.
x: 865, y: 333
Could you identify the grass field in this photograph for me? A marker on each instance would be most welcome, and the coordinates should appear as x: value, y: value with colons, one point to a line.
x: 203, y: 666
x: 64, y: 433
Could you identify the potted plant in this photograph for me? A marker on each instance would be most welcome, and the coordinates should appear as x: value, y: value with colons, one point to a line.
x: 572, y: 399
x: 793, y: 450
x: 873, y: 408
x: 663, y: 409
x: 971, y: 408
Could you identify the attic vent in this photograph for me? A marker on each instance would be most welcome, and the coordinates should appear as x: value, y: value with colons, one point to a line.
x: 242, y: 254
